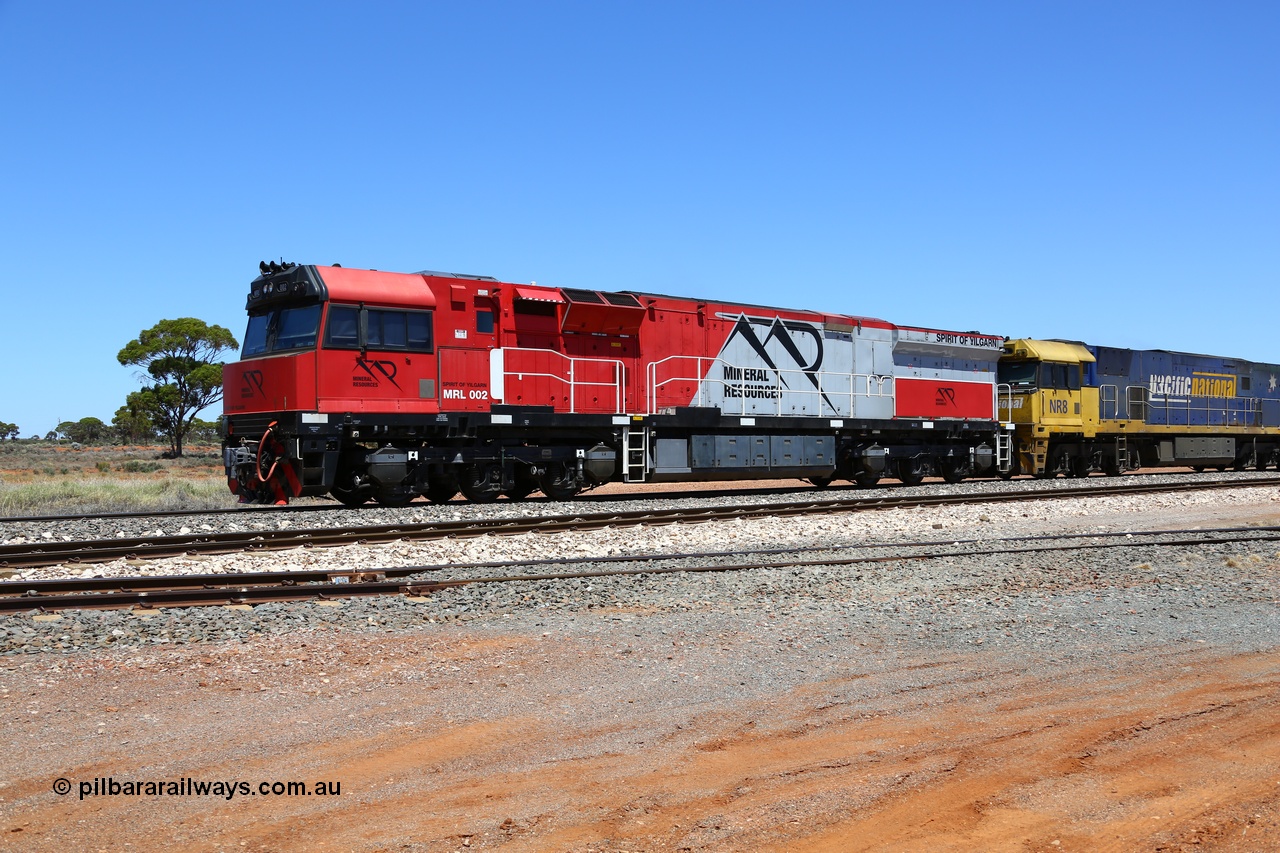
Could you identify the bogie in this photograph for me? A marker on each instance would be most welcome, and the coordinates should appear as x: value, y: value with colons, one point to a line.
x: 560, y: 482
x: 480, y: 483
x: 912, y: 470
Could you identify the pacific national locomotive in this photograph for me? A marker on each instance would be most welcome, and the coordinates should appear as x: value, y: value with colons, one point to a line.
x: 370, y: 385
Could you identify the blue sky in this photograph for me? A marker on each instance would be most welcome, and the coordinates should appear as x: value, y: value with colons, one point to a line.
x: 1099, y: 171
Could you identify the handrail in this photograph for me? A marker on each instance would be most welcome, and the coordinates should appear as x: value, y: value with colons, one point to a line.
x: 860, y: 385
x: 1003, y: 391
x: 618, y: 384
x: 1234, y: 411
x: 1111, y: 399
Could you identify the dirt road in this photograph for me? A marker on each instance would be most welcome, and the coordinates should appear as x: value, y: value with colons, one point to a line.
x: 498, y: 744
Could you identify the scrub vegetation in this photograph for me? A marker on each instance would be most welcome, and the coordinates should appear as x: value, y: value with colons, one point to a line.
x: 45, y: 477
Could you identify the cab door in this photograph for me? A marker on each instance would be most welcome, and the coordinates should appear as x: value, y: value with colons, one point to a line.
x: 1060, y: 395
x: 465, y: 361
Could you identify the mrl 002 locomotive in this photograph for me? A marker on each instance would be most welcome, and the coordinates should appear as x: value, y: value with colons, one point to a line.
x: 382, y: 386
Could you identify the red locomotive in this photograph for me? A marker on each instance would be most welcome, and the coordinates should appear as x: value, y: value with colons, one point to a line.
x: 376, y: 385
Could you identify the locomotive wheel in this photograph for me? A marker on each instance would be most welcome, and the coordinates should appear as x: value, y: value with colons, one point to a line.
x: 394, y: 499
x: 866, y: 480
x: 911, y: 471
x: 1014, y: 469
x: 348, y: 497
x: 346, y: 486
x: 820, y: 482
x: 1199, y: 469
x: 1077, y: 466
x: 558, y: 483
x: 954, y: 471
x: 480, y: 483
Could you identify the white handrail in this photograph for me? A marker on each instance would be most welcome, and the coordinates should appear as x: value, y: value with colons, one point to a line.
x: 860, y: 384
x: 1003, y: 390
x: 618, y: 384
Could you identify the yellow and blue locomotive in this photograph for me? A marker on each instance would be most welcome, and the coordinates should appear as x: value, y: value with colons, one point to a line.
x: 1074, y: 408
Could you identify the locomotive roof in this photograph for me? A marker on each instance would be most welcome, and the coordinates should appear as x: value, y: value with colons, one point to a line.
x: 405, y: 290
x: 352, y: 284
x: 736, y: 304
x: 1048, y: 350
x: 1227, y: 360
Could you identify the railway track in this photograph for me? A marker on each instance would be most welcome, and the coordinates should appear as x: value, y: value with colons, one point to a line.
x: 266, y: 587
x: 587, y: 499
x: 49, y: 553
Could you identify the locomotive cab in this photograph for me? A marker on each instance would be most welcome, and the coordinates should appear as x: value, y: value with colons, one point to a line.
x: 323, y: 344
x: 279, y: 345
x: 1052, y: 402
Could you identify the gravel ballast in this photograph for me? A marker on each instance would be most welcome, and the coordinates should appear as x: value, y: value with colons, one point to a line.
x: 1124, y: 588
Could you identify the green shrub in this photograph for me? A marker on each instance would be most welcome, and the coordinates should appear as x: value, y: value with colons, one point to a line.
x: 137, y: 466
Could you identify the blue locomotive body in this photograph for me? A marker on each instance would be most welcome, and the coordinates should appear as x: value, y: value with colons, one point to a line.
x: 1163, y: 388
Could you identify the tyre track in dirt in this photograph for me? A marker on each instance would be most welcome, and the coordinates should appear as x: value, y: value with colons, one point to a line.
x: 1165, y: 750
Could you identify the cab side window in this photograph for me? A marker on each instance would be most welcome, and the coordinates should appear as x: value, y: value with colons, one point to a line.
x: 341, y: 331
x: 1063, y: 377
x: 408, y: 331
x: 419, y: 331
x: 387, y: 330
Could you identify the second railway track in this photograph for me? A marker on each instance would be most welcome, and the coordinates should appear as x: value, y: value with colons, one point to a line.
x: 266, y: 587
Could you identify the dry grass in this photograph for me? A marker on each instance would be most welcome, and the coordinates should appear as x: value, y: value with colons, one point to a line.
x: 46, y: 477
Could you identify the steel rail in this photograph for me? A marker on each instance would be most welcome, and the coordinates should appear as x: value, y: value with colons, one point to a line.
x: 264, y: 587
x: 331, y: 505
x: 49, y: 552
x: 298, y: 576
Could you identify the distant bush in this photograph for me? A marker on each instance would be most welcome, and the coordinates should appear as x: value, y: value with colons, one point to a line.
x: 137, y: 466
x: 199, y: 460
